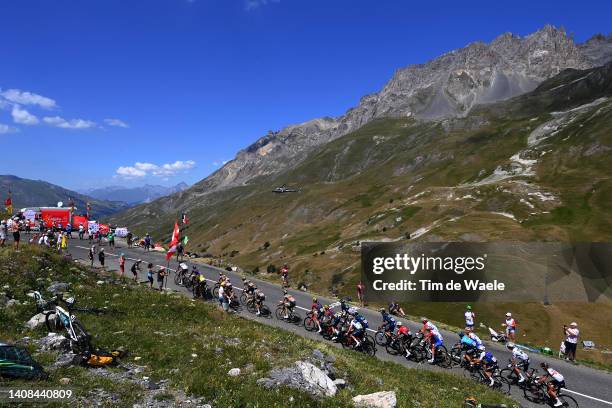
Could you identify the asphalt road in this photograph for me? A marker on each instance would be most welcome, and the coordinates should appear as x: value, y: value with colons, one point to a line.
x: 590, y: 387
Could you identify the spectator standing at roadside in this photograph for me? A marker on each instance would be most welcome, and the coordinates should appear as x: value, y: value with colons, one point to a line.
x: 101, y: 257
x: 111, y: 239
x: 285, y: 275
x: 469, y: 317
x: 571, y: 340
x: 179, y: 252
x: 150, y: 274
x: 27, y: 226
x: 81, y: 231
x: 161, y: 275
x: 122, y: 264
x: 3, y: 232
x: 510, y: 325
x: 147, y: 242
x: 16, y: 234
x: 69, y: 230
x: 135, y: 268
x: 360, y: 292
x: 128, y: 238
x: 92, y: 253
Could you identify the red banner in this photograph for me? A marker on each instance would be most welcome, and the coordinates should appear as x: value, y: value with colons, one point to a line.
x: 79, y: 219
x: 104, y: 229
x: 55, y: 216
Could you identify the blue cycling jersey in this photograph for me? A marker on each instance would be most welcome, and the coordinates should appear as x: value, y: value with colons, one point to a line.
x: 387, y: 318
x: 468, y: 342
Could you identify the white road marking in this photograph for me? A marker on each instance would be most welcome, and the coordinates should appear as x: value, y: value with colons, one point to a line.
x: 589, y: 397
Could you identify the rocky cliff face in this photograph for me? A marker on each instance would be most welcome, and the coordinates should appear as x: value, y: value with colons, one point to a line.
x: 448, y: 86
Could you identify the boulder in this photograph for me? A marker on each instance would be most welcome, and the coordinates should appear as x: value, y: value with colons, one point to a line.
x: 234, y: 372
x: 58, y: 287
x: 303, y: 376
x: 53, y: 341
x: 66, y: 359
x: 36, y: 321
x: 383, y: 399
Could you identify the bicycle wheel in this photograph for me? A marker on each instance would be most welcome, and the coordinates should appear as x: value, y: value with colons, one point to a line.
x: 243, y: 298
x: 251, y: 306
x: 309, y: 324
x: 369, y: 348
x: 83, y: 338
x: 501, y: 384
x: 510, y: 375
x: 295, y: 318
x: 178, y: 278
x: 215, y: 292
x: 456, y: 355
x: 567, y: 401
x: 533, y: 392
x: 265, y: 312
x: 380, y: 338
x: 280, y: 313
x: 393, y: 348
x: 54, y: 325
x: 442, y: 357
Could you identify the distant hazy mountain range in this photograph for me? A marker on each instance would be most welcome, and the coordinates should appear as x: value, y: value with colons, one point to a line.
x: 38, y: 193
x: 134, y: 195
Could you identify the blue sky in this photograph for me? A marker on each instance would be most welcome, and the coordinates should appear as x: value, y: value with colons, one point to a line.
x: 91, y: 88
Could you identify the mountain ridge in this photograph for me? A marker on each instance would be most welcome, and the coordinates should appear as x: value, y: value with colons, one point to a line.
x: 135, y: 195
x: 447, y: 86
x: 40, y: 193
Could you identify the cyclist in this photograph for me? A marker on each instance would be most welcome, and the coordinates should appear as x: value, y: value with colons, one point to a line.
x: 317, y: 312
x: 435, y: 340
x: 357, y: 327
x: 285, y: 275
x: 389, y: 323
x: 479, y: 344
x: 488, y: 362
x: 469, y: 345
x: 259, y: 299
x: 469, y: 317
x: 222, y: 278
x: 519, y: 360
x: 249, y: 287
x: 554, y: 385
x: 404, y: 336
x: 289, y: 302
x: 335, y: 323
x: 396, y: 309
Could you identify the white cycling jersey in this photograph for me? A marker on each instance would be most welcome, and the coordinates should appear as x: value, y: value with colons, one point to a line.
x: 555, y: 374
x: 357, y: 325
x: 519, y: 354
x: 434, y: 329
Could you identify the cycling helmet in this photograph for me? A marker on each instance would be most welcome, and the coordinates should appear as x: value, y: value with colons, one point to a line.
x: 488, y: 355
x: 399, y: 324
x: 193, y: 267
x: 510, y: 345
x: 382, y: 310
x: 285, y: 291
x: 460, y: 334
x: 70, y: 301
x: 244, y: 279
x: 352, y: 311
x: 326, y: 307
x: 508, y: 314
x: 424, y: 319
x: 314, y: 299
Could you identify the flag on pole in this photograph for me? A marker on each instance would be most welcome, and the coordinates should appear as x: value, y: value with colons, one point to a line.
x: 8, y: 204
x: 184, y: 218
x: 88, y: 209
x: 174, y: 242
x: 185, y: 240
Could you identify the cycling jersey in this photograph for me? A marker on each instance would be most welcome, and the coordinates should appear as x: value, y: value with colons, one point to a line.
x: 555, y: 374
x: 434, y: 329
x: 476, y: 340
x: 468, y: 342
x: 488, y: 359
x: 362, y: 320
x: 403, y: 331
x: 519, y: 354
x: 510, y: 324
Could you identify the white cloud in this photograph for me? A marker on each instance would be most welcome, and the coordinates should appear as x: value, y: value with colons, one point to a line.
x: 68, y: 124
x: 255, y: 4
x: 116, y: 122
x: 28, y: 98
x: 7, y: 129
x: 23, y: 117
x: 140, y: 169
x: 129, y: 172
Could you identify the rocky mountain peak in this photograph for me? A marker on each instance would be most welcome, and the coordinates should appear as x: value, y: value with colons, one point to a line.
x: 447, y: 86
